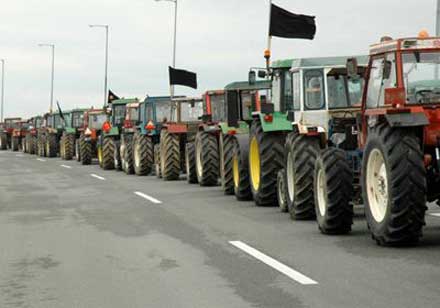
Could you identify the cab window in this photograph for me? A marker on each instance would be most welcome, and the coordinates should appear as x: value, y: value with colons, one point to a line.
x: 314, y: 89
x: 288, y: 91
x: 296, y: 88
x: 377, y: 82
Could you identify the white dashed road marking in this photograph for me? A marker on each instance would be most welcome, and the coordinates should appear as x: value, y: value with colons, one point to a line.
x: 147, y: 197
x: 97, y: 177
x: 65, y: 166
x: 434, y: 214
x: 284, y: 269
x: 40, y: 159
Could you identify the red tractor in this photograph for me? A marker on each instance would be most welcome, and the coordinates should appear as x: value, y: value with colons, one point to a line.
x: 18, y: 135
x: 6, y: 138
x: 399, y: 138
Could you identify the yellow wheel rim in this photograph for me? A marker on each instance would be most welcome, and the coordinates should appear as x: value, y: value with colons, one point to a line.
x: 254, y: 164
x: 99, y: 154
x: 235, y: 171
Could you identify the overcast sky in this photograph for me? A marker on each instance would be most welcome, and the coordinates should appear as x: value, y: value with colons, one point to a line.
x: 218, y: 39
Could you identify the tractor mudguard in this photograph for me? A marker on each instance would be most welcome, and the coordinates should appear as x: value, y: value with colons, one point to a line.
x: 407, y: 119
x: 70, y: 130
x: 279, y: 122
x: 210, y: 128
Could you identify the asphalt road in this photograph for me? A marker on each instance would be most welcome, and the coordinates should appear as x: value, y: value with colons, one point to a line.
x: 77, y: 236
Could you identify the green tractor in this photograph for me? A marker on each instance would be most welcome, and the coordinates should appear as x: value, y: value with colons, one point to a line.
x: 30, y: 139
x: 71, y: 132
x: 109, y: 141
x: 50, y: 133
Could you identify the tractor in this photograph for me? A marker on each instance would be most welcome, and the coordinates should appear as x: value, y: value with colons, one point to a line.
x: 86, y: 146
x: 30, y: 139
x: 109, y: 141
x: 399, y: 136
x: 6, y: 140
x: 73, y: 125
x: 50, y: 133
x: 243, y: 99
x: 153, y: 113
x: 128, y: 130
x: 176, y: 133
x: 18, y: 134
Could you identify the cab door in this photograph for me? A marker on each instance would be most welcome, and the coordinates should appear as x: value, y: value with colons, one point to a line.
x: 314, y: 99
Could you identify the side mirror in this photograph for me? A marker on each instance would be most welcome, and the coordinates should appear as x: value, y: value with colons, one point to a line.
x: 262, y: 74
x: 387, y: 67
x: 352, y: 68
x: 252, y: 77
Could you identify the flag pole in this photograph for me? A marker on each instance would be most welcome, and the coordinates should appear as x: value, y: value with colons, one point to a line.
x: 267, y: 52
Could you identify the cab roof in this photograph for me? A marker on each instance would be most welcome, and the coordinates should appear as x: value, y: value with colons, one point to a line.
x: 245, y: 85
x: 403, y: 44
x: 124, y: 101
x: 158, y: 99
x: 326, y: 62
x: 287, y: 63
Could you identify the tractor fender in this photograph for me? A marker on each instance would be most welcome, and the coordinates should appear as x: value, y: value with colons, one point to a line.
x: 278, y: 123
x: 407, y: 119
x: 209, y: 128
x: 312, y: 131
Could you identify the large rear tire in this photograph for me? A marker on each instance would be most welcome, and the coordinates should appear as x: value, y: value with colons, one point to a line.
x: 240, y: 172
x: 42, y: 146
x: 51, y: 145
x: 207, y: 156
x: 108, y: 149
x: 143, y: 153
x: 85, y: 151
x: 157, y: 164
x: 281, y: 191
x: 300, y: 166
x: 69, y: 146
x: 190, y: 163
x: 333, y: 183
x: 170, y: 156
x: 394, y: 185
x: 126, y: 151
x: 34, y: 147
x: 3, y: 141
x: 77, y: 150
x: 265, y: 160
x: 226, y: 148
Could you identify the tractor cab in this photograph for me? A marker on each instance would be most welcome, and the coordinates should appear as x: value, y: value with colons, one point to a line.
x: 119, y: 109
x: 77, y: 119
x: 132, y: 116
x: 214, y: 106
x: 155, y: 111
x: 94, y: 119
x: 243, y: 99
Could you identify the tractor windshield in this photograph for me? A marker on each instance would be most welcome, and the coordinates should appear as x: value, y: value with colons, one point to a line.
x: 57, y: 121
x: 343, y: 93
x: 119, y: 114
x: 133, y: 114
x: 191, y: 113
x: 96, y: 120
x: 163, y: 111
x: 218, y: 107
x: 77, y: 119
x: 421, y: 76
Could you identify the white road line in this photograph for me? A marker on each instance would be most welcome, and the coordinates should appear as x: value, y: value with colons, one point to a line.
x: 289, y: 272
x: 65, y: 166
x: 19, y: 155
x: 97, y: 177
x: 40, y: 159
x: 434, y: 214
x: 149, y: 198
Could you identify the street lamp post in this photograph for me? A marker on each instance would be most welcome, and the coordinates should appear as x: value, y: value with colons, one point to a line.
x: 106, y: 27
x: 3, y: 89
x: 174, y: 38
x: 52, y: 46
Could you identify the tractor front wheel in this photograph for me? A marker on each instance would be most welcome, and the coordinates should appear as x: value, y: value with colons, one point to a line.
x: 69, y: 146
x: 333, y: 182
x: 226, y: 148
x: 143, y: 153
x: 51, y: 145
x: 157, y: 164
x: 85, y: 151
x: 394, y: 185
x: 3, y: 141
x: 281, y: 191
x: 240, y: 171
x: 126, y: 151
x: 190, y: 162
x: 107, y: 152
x: 207, y: 165
x: 170, y: 156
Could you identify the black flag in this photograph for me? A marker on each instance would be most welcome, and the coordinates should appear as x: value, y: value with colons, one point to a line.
x: 60, y: 111
x: 112, y: 96
x: 289, y: 25
x: 183, y: 78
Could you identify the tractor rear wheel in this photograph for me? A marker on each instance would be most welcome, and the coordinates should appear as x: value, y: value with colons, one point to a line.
x: 394, y: 185
x: 190, y: 162
x: 126, y: 151
x: 77, y: 150
x: 69, y: 146
x: 226, y: 148
x: 3, y: 141
x: 265, y: 160
x: 157, y: 163
x: 85, y: 151
x: 51, y: 145
x: 108, y: 149
x: 34, y: 147
x: 170, y: 156
x: 207, y: 166
x: 14, y: 144
x: 281, y: 191
x: 143, y: 153
x: 300, y: 164
x: 333, y: 183
x: 41, y: 145
x: 24, y: 144
x: 240, y: 172
x: 62, y: 147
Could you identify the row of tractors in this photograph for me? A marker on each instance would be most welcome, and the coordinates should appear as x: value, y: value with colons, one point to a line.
x: 314, y: 136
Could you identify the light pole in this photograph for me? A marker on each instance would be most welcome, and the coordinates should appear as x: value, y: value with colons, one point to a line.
x: 52, y: 46
x: 106, y: 27
x: 174, y: 38
x: 3, y: 88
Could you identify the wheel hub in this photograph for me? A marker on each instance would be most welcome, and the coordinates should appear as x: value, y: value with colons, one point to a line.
x: 254, y: 162
x: 377, y: 185
x: 290, y: 177
x: 322, y: 191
